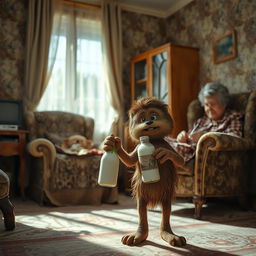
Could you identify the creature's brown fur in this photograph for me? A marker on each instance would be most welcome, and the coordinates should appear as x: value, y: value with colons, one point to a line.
x: 150, y: 116
x: 154, y: 193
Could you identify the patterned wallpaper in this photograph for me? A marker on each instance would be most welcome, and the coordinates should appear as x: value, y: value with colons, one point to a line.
x: 12, y: 47
x: 198, y: 24
x: 202, y: 21
x: 140, y: 33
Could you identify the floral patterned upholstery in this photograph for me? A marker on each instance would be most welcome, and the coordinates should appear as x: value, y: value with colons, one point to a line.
x: 221, y: 164
x: 57, y: 178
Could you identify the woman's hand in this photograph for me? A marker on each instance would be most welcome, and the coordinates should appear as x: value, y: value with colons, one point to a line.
x: 112, y: 142
x: 183, y: 137
x: 195, y: 136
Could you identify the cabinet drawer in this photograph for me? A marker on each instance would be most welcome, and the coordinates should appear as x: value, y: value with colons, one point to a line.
x: 9, y: 148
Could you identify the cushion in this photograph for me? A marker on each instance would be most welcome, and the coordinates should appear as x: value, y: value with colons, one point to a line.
x: 71, y: 149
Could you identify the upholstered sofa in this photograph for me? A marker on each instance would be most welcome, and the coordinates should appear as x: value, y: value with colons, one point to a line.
x: 222, y: 161
x: 59, y: 178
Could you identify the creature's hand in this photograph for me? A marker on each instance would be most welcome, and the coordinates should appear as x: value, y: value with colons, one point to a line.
x: 163, y: 154
x: 182, y: 137
x: 112, y: 142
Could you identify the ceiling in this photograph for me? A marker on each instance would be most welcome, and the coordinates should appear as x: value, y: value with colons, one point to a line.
x: 159, y: 8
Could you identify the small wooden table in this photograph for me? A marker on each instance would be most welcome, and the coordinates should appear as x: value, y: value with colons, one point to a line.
x: 13, y: 142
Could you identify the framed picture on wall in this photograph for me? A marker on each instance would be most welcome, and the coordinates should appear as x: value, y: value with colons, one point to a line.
x: 225, y: 47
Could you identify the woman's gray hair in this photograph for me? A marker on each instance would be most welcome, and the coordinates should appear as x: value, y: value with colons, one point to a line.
x: 214, y: 88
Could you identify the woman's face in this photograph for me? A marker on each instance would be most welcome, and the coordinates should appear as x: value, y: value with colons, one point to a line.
x: 213, y: 108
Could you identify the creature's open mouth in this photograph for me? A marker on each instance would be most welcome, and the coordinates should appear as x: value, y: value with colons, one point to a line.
x: 151, y: 129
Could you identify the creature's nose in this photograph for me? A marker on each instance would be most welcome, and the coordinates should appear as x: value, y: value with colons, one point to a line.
x: 149, y: 122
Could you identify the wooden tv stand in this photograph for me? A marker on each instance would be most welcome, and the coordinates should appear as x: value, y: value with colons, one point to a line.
x: 13, y: 142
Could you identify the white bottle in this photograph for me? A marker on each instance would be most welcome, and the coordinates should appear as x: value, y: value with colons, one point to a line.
x: 148, y: 164
x: 109, y: 167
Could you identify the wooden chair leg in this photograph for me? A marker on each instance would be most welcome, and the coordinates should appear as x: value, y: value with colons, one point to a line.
x: 198, y: 202
x: 8, y: 213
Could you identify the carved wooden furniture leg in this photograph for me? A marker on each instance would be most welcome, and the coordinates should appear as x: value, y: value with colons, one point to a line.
x: 198, y: 202
x: 8, y: 213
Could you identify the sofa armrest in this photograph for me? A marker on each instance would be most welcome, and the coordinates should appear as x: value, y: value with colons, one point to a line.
x: 213, y: 141
x: 217, y: 141
x: 43, y: 148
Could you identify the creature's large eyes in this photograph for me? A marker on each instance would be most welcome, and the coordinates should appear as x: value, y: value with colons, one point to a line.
x: 153, y: 117
x: 142, y: 119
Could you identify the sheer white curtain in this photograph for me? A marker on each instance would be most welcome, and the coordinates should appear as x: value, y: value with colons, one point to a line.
x: 77, y: 82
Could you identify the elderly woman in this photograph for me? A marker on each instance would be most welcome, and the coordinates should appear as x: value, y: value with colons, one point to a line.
x: 214, y: 97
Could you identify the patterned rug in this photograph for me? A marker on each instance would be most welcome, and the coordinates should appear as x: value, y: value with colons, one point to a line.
x: 224, y: 230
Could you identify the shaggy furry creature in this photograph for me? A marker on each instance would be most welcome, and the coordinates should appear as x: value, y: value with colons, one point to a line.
x: 150, y: 117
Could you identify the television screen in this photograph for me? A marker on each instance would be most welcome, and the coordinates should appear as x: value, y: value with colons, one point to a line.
x: 11, y: 113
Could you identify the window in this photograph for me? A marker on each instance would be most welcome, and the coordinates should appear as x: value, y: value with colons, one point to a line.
x: 77, y: 82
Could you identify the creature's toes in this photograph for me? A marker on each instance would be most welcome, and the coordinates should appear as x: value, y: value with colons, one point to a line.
x: 173, y: 240
x: 124, y: 239
x: 183, y: 240
x: 128, y: 240
x: 133, y: 239
x: 178, y: 241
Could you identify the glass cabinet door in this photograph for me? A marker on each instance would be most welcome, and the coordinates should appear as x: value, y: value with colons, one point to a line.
x: 140, y: 77
x: 159, y: 73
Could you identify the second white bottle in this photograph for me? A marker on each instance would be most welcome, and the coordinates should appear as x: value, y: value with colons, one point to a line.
x: 109, y: 167
x: 148, y: 164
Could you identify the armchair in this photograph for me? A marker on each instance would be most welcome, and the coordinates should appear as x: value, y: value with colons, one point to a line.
x: 222, y: 163
x: 57, y: 178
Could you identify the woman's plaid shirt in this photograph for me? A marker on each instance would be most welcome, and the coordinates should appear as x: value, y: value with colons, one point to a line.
x: 231, y: 123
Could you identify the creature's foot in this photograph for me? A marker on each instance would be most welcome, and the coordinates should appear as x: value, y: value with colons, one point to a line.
x: 173, y: 239
x: 135, y: 238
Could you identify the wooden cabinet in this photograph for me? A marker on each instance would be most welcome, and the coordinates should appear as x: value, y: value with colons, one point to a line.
x: 12, y: 143
x: 171, y: 73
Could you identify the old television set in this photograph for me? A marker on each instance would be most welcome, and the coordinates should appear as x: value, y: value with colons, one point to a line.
x: 11, y: 114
